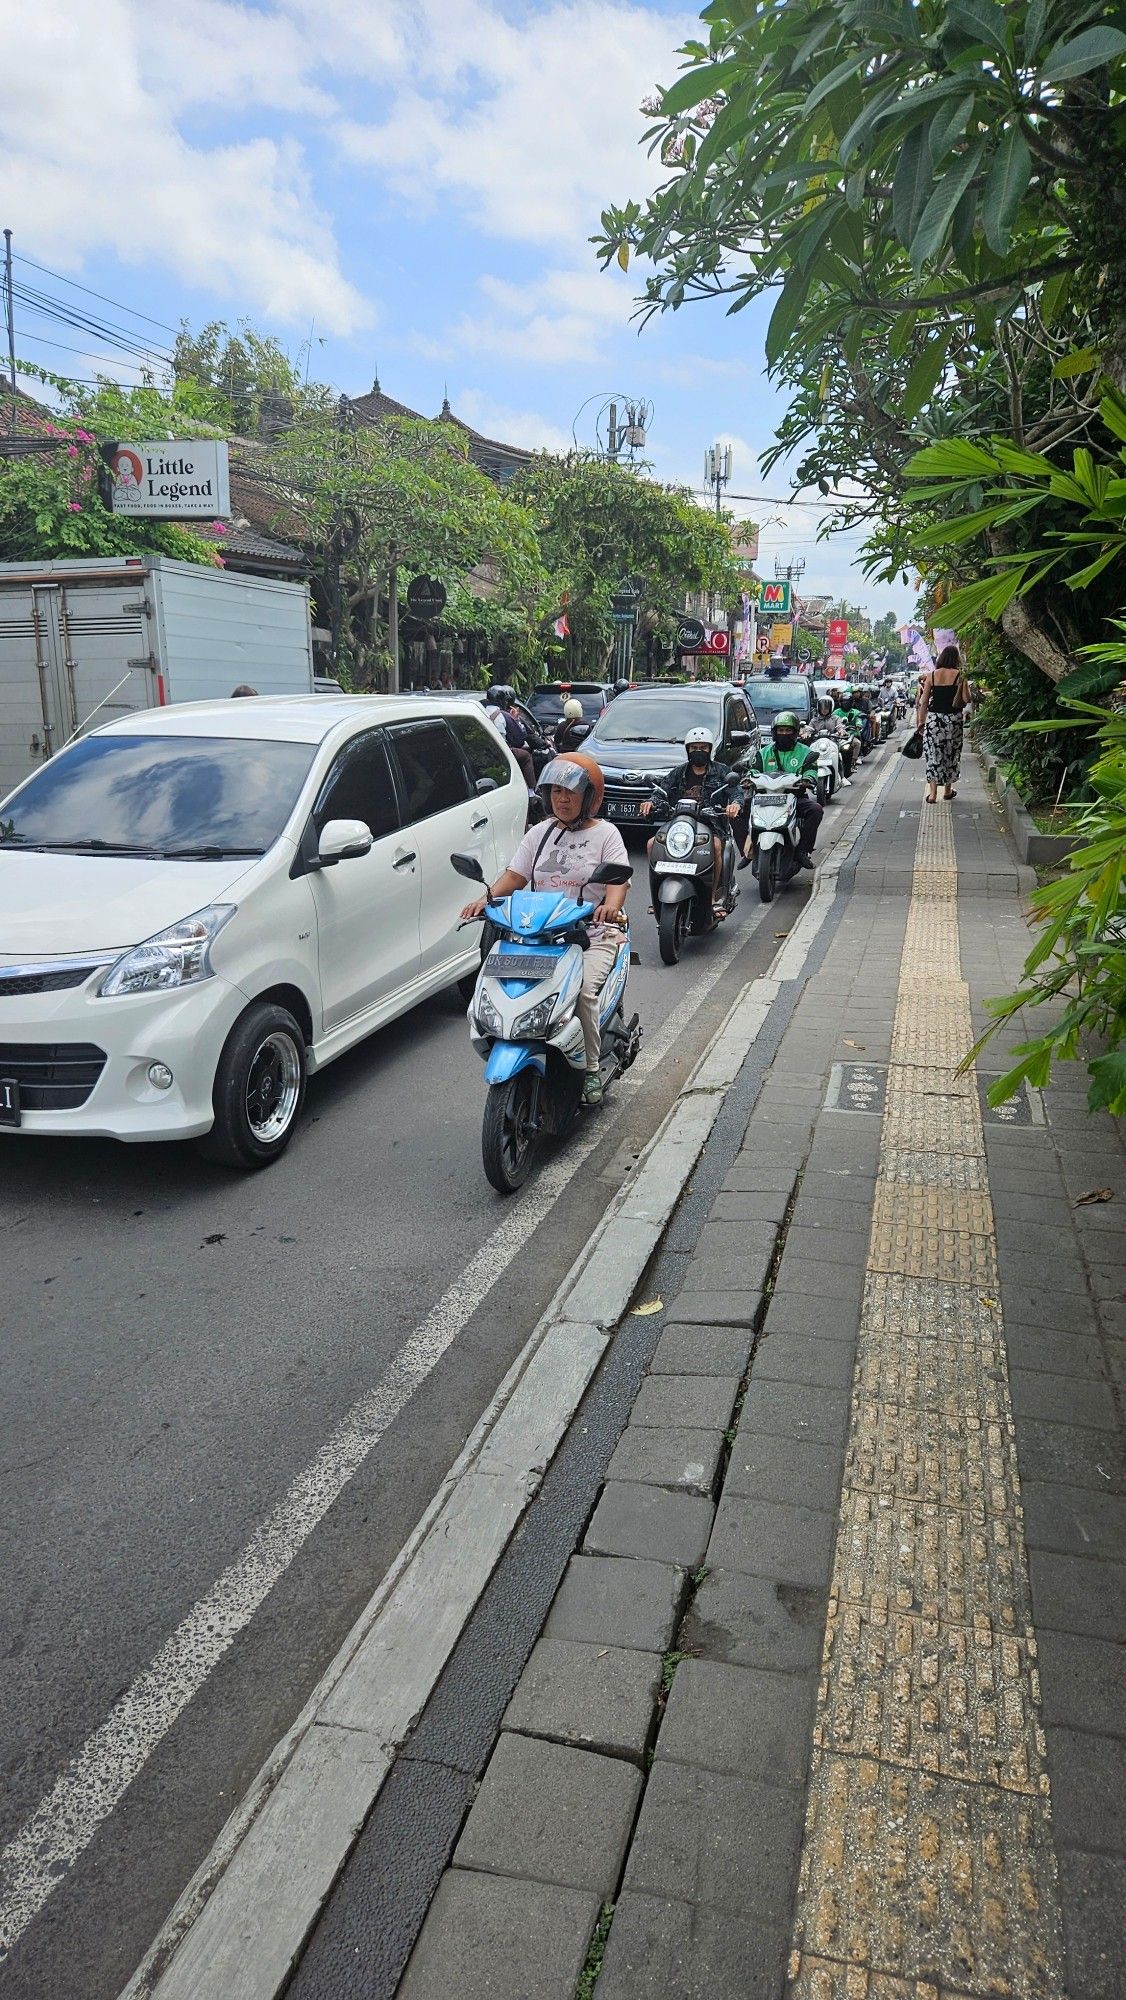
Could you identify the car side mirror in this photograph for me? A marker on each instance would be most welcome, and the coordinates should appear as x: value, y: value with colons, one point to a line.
x: 467, y: 865
x: 485, y: 785
x: 343, y: 840
x: 741, y: 736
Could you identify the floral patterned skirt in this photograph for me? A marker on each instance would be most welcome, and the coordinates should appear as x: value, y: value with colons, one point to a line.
x: 942, y: 748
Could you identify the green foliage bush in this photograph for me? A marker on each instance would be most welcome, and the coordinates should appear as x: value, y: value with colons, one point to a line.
x: 1016, y: 692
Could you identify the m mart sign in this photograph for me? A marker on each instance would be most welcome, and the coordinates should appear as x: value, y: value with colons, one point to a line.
x: 775, y: 599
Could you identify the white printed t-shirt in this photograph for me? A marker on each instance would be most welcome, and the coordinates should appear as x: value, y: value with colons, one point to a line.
x: 568, y: 857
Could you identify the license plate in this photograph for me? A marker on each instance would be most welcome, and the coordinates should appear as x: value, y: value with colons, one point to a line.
x: 521, y: 964
x: 9, y: 1100
x: 673, y: 867
x: 623, y: 809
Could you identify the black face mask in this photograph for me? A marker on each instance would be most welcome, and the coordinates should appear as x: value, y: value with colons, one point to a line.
x: 698, y: 760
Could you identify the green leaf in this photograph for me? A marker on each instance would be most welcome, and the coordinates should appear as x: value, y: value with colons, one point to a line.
x: 702, y: 80
x: 786, y: 314
x: 1084, y: 52
x: 900, y: 335
x: 951, y: 458
x: 1053, y: 295
x: 911, y: 184
x: 925, y: 371
x: 981, y: 20
x: 1005, y: 188
x: 947, y: 127
x: 935, y: 220
x: 1081, y: 361
x: 1034, y: 27
x: 1108, y: 1083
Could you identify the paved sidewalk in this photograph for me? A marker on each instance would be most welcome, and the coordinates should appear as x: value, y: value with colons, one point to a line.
x: 831, y: 1697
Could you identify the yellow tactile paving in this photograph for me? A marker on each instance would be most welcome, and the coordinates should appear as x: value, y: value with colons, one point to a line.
x: 928, y: 1870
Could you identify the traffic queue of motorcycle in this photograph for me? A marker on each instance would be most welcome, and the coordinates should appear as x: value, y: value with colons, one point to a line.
x: 548, y: 1010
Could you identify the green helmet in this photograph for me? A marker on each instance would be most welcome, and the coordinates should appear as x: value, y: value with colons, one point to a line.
x: 786, y: 719
x: 847, y: 690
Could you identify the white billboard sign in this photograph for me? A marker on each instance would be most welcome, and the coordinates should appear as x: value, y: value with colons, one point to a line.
x: 172, y: 481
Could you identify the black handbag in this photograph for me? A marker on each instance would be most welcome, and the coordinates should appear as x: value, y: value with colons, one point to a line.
x: 914, y: 744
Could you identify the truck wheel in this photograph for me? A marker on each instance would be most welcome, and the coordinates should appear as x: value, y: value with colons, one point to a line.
x: 508, y: 1134
x: 259, y: 1089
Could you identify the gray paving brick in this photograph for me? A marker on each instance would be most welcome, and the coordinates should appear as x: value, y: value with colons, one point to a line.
x: 1078, y: 1594
x: 1088, y: 1789
x: 686, y: 1460
x: 694, y: 1402
x: 771, y: 1538
x: 818, y: 1244
x: 787, y: 1357
x: 805, y: 1313
x: 1083, y: 1682
x: 552, y: 1815
x: 616, y: 1601
x: 1092, y: 1898
x: 708, y: 1837
x: 755, y: 1209
x: 649, y: 1521
x: 1062, y: 1397
x: 1079, y: 1355
x: 791, y: 1410
x: 739, y: 1719
x: 1048, y: 1236
x: 662, y: 1950
x: 824, y: 1212
x: 764, y: 1467
x: 702, y: 1350
x: 1112, y: 1318
x: 597, y: 1697
x: 729, y: 1257
x: 832, y: 1283
x: 755, y: 1621
x: 1074, y: 1520
x: 1038, y: 1206
x: 693, y: 1307
x: 1059, y: 1311
x: 1116, y: 1356
x: 748, y: 1175
x: 839, y: 1185
x: 489, y: 1937
x: 1071, y: 1455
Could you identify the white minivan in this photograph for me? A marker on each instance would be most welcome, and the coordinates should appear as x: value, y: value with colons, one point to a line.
x: 199, y: 905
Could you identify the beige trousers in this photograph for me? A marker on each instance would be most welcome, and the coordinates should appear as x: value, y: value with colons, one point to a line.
x: 598, y: 963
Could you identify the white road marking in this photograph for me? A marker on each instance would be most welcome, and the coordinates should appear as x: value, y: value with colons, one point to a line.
x: 88, y: 1790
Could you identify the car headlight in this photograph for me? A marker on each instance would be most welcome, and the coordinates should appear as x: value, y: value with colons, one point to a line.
x: 680, y: 839
x: 179, y: 956
x: 486, y: 1016
x: 534, y: 1020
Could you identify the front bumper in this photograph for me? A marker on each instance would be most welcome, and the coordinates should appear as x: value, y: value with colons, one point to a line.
x: 185, y: 1030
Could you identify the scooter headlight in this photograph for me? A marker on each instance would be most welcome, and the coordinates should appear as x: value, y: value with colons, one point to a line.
x: 485, y: 1016
x: 534, y: 1020
x: 680, y: 839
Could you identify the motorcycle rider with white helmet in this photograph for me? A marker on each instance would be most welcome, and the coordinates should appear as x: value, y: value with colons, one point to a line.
x: 703, y: 778
x: 562, y: 855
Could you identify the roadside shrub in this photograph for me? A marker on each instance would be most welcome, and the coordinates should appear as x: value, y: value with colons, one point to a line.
x: 1016, y: 692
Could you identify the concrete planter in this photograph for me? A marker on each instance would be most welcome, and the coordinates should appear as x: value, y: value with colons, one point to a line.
x: 1039, y: 850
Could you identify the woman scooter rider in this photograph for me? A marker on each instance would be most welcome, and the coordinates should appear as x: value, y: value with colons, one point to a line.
x: 786, y: 756
x: 828, y: 723
x: 712, y: 784
x: 562, y: 855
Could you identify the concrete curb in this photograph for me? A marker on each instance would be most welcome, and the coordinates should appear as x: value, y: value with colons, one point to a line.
x: 1036, y: 849
x: 241, y: 1923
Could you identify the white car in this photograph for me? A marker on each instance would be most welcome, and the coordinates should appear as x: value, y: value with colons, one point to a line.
x: 199, y: 905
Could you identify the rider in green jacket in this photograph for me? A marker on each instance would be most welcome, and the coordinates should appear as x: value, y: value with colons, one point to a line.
x: 786, y: 756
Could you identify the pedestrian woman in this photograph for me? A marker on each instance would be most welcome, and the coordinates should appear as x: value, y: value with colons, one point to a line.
x: 942, y: 700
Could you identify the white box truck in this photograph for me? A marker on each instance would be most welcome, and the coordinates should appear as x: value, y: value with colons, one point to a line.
x: 83, y: 642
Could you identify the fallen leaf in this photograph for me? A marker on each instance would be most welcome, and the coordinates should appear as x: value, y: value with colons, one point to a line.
x: 645, y: 1311
x: 781, y: 934
x: 987, y: 1301
x: 219, y: 1237
x: 853, y: 1045
x: 1093, y: 1194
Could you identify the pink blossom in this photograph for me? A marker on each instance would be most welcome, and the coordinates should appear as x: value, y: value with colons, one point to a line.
x: 74, y: 506
x: 87, y: 474
x: 219, y: 527
x: 219, y: 563
x: 72, y: 451
x: 84, y: 437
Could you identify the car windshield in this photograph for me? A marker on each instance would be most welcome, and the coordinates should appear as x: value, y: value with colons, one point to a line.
x: 769, y: 697
x: 661, y: 718
x: 193, y: 797
x: 546, y: 703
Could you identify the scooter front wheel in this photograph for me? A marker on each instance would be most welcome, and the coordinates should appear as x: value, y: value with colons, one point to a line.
x: 510, y: 1131
x: 767, y: 873
x: 670, y: 934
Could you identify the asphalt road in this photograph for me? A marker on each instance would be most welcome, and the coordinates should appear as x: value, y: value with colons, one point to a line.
x: 178, y: 1345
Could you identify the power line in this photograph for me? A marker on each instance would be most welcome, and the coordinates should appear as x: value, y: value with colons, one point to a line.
x: 111, y: 361
x: 42, y: 306
x: 106, y: 301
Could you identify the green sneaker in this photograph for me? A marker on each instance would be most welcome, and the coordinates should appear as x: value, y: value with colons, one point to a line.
x: 593, y: 1092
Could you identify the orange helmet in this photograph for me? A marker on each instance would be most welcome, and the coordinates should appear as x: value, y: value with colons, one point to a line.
x: 562, y: 771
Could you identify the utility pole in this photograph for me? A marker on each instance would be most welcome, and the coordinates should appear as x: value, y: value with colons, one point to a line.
x: 393, y: 617
x: 11, y: 326
x: 717, y: 471
x: 791, y: 570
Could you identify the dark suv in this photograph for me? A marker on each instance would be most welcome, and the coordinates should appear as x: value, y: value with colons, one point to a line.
x: 546, y: 701
x: 641, y: 736
x: 769, y: 694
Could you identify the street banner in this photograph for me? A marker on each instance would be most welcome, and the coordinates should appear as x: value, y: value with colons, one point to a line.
x: 717, y: 643
x: 838, y: 634
x: 171, y: 481
x: 781, y: 635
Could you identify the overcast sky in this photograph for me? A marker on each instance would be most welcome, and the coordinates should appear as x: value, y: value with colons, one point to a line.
x: 401, y: 185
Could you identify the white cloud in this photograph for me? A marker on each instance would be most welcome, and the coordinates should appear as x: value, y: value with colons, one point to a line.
x: 561, y: 318
x: 498, y: 420
x: 93, y: 160
x: 531, y: 127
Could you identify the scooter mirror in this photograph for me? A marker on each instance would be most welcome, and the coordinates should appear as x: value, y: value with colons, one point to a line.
x: 611, y: 874
x: 469, y: 866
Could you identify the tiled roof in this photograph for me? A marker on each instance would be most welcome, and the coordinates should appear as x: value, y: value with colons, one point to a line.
x: 375, y: 404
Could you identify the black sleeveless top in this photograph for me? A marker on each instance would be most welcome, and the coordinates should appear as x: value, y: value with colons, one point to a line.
x: 942, y: 701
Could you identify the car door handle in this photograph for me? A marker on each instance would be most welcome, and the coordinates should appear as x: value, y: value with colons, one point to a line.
x: 404, y: 861
x: 477, y: 824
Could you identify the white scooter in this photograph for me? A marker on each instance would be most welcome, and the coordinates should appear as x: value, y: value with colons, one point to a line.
x: 523, y: 1019
x: 774, y: 831
x: 830, y: 770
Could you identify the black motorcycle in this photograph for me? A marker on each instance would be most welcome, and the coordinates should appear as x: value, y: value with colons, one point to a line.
x: 682, y: 872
